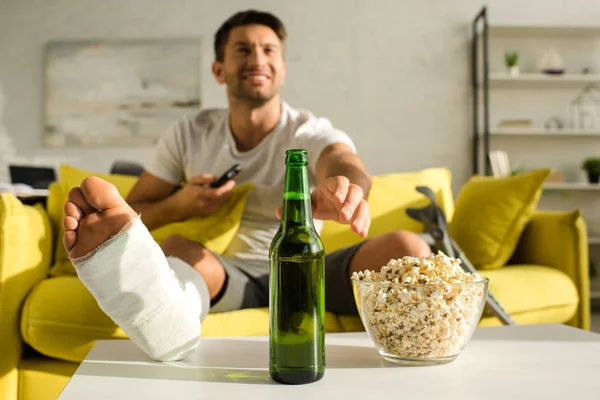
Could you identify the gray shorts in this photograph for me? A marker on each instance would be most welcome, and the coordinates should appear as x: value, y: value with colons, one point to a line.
x: 248, y: 283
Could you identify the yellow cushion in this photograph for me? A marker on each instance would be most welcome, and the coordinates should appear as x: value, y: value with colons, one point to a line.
x: 61, y: 319
x: 533, y: 294
x: 389, y: 198
x: 554, y: 315
x: 559, y: 239
x: 43, y: 379
x: 351, y: 323
x: 54, y: 206
x: 214, y: 232
x: 250, y: 322
x: 25, y: 253
x: 491, y: 214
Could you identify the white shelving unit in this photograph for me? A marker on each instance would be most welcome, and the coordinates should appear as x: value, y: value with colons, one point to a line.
x: 566, y: 132
x: 534, y: 29
x: 572, y: 186
x: 502, y: 78
x: 547, y: 85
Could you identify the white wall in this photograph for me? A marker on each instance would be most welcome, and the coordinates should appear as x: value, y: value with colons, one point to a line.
x: 393, y: 74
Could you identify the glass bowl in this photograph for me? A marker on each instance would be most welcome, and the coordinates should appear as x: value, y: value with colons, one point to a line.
x: 420, y: 324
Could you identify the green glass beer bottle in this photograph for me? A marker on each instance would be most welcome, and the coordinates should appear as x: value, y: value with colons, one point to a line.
x: 297, y: 284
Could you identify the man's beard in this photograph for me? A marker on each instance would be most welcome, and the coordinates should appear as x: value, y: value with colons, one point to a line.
x: 253, y: 96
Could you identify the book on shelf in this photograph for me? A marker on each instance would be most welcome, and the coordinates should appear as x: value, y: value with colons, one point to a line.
x: 515, y: 123
x: 499, y: 163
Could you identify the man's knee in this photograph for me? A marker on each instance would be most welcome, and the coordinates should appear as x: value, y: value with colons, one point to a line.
x: 179, y: 246
x: 189, y: 251
x: 171, y: 244
x: 199, y: 258
x: 408, y: 243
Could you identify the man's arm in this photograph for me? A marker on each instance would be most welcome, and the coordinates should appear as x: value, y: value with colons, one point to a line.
x: 160, y: 202
x: 339, y: 160
x: 343, y: 185
x: 153, y: 198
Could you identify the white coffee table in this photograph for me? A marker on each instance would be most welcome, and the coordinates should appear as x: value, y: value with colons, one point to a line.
x: 517, y: 362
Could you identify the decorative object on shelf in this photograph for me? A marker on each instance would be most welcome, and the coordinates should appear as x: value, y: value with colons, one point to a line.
x: 551, y: 63
x: 109, y: 92
x: 586, y: 70
x: 515, y: 123
x: 511, y: 60
x: 585, y: 108
x: 592, y: 166
x: 554, y: 124
x: 555, y: 177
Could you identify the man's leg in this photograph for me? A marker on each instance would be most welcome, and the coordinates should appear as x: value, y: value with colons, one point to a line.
x: 376, y: 252
x: 200, y: 259
x: 125, y: 270
x: 371, y: 254
x: 232, y: 284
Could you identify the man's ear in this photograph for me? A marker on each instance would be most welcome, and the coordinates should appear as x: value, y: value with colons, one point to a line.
x: 217, y: 70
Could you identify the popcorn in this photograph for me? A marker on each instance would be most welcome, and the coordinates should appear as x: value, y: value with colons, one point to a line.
x: 430, y: 321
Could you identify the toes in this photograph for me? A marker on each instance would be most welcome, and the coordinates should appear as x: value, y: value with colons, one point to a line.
x: 69, y: 240
x: 71, y: 210
x: 78, y: 199
x: 101, y: 194
x: 70, y: 223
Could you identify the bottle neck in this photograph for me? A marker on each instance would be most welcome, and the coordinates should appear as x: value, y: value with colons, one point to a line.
x: 296, y: 197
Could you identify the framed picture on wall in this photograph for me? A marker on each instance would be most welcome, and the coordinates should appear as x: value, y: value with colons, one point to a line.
x: 115, y: 93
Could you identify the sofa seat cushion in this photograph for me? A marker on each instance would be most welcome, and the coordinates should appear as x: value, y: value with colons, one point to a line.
x: 62, y: 320
x: 41, y: 378
x: 532, y: 294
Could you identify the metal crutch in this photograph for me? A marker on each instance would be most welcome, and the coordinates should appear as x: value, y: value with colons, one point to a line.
x: 436, y: 225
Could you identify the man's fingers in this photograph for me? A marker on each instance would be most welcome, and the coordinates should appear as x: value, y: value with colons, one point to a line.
x: 361, y: 221
x: 225, y: 189
x: 367, y: 224
x: 338, y: 186
x: 353, y: 198
x: 203, y: 179
x: 279, y: 212
x: 216, y: 195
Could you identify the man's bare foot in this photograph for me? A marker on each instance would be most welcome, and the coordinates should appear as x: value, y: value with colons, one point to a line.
x: 94, y: 213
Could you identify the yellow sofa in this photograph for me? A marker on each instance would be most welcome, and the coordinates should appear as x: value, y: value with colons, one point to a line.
x: 48, y: 324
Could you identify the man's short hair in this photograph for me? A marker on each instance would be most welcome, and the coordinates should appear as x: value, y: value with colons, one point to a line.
x: 242, y: 18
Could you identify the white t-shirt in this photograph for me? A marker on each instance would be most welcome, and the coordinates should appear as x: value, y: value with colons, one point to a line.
x: 204, y: 144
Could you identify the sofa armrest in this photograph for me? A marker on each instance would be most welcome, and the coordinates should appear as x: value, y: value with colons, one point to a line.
x: 559, y: 240
x: 25, y: 254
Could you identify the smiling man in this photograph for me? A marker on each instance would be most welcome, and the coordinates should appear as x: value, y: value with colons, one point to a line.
x: 254, y: 131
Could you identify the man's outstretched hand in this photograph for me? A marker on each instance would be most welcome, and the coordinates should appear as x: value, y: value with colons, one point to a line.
x: 339, y: 200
